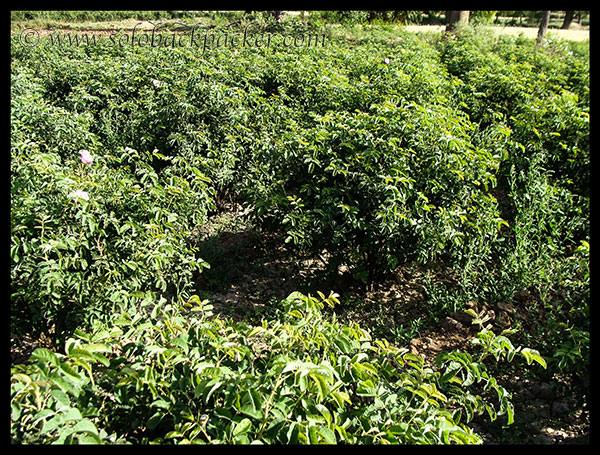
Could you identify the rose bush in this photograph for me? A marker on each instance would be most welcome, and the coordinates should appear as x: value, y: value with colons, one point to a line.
x: 177, y: 375
x: 87, y: 237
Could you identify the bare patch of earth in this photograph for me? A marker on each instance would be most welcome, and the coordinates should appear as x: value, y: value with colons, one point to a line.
x: 527, y: 32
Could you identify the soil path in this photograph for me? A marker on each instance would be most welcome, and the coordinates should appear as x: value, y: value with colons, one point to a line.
x: 527, y: 32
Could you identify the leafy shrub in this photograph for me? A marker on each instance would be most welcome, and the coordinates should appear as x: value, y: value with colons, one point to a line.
x: 534, y: 112
x: 531, y: 92
x: 170, y: 375
x: 86, y: 234
x: 375, y: 189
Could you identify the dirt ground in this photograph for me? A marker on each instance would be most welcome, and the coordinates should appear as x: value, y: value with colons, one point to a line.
x: 527, y: 32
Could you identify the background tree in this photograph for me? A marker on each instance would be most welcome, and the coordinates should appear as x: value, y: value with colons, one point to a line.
x: 456, y: 17
x: 543, y: 27
x: 569, y: 16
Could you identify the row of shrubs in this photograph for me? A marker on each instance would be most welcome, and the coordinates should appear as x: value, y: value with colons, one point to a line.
x: 471, y: 152
x: 171, y: 373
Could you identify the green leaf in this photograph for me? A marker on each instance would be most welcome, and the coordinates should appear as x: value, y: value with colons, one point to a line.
x: 510, y: 414
x: 72, y: 414
x: 52, y: 424
x: 154, y: 420
x: 97, y: 347
x: 341, y: 398
x: 343, y: 344
x: 81, y: 353
x: 251, y: 404
x: 328, y: 435
x: 69, y: 370
x: 44, y: 355
x: 414, y: 361
x: 85, y: 425
x: 325, y: 413
x: 70, y: 344
x: 242, y: 427
x: 313, y: 436
x: 81, y: 334
x: 450, y: 372
x: 532, y: 355
x: 366, y: 388
x: 173, y: 434
x: 88, y: 438
x: 125, y: 380
x: 20, y: 377
x: 163, y: 404
x: 43, y: 414
x: 182, y: 343
x: 100, y: 358
x: 293, y: 433
x: 61, y: 397
x: 216, y: 384
x: 321, y: 383
x: 67, y: 386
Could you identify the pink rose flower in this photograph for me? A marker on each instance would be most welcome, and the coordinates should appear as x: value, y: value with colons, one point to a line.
x: 80, y: 194
x: 86, y: 157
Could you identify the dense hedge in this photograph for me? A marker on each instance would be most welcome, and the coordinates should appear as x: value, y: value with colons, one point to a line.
x: 469, y: 151
x: 181, y: 376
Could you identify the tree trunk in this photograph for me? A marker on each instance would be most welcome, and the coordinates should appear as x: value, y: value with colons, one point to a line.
x: 543, y: 27
x: 569, y: 16
x: 456, y: 17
